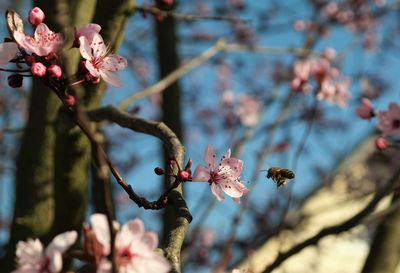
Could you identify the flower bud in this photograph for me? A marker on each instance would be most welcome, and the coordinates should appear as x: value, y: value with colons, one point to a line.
x: 184, y: 175
x: 38, y: 70
x: 365, y: 110
x: 36, y: 16
x: 381, y: 143
x: 15, y: 80
x: 159, y: 171
x: 69, y: 101
x: 54, y: 71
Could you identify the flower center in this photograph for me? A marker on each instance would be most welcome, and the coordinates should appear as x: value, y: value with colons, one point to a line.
x: 396, y: 123
x: 214, y: 177
x: 97, y: 62
x: 124, y: 257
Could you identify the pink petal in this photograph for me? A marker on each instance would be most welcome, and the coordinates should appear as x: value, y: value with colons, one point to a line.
x: 100, y: 228
x: 110, y: 78
x: 92, y: 70
x: 104, y: 266
x: 24, y: 41
x: 150, y: 239
x: 62, y: 242
x: 114, y: 62
x: 201, y: 174
x: 228, y: 154
x: 88, y: 31
x: 85, y: 48
x: 232, y: 188
x: 7, y: 52
x: 98, y: 46
x: 130, y: 233
x: 216, y: 190
x: 55, y: 262
x: 210, y: 158
x: 41, y: 30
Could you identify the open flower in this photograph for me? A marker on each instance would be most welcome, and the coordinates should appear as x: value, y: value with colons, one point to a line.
x: 32, y: 259
x: 222, y: 177
x: 7, y: 52
x: 134, y: 248
x: 42, y: 43
x: 98, y: 63
x: 389, y: 121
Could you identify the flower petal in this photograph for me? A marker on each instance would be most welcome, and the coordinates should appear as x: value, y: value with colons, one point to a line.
x: 85, y: 48
x: 201, y: 174
x: 150, y: 239
x: 110, y: 78
x: 114, y: 62
x: 7, y: 52
x: 100, y: 228
x: 62, y: 242
x: 55, y: 262
x: 216, y: 190
x: 210, y: 158
x: 232, y: 188
x: 98, y: 46
x: 130, y: 233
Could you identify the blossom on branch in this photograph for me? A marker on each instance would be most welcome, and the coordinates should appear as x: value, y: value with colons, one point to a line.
x: 31, y: 257
x: 98, y: 62
x: 222, y: 177
x: 134, y: 248
x: 42, y: 43
x: 389, y: 121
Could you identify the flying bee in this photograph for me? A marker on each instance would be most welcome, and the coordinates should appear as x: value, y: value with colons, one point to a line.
x: 279, y: 175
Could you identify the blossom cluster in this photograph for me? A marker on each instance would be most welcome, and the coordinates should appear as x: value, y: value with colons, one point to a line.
x: 331, y: 86
x: 40, y: 54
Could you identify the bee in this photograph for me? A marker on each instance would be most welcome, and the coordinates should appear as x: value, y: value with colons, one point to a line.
x: 279, y: 175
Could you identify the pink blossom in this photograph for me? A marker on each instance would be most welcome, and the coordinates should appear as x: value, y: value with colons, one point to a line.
x: 365, y: 110
x: 7, y: 52
x: 36, y: 16
x: 335, y: 93
x: 31, y: 257
x: 88, y: 31
x: 38, y: 69
x: 42, y: 43
x: 249, y: 111
x: 98, y: 63
x: 134, y: 248
x: 381, y: 143
x: 222, y: 177
x: 389, y: 121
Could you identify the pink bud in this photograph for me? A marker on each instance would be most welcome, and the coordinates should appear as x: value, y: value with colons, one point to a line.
x: 365, y: 110
x: 38, y: 70
x: 381, y: 143
x: 69, y: 101
x: 36, y: 16
x: 15, y: 80
x: 54, y: 71
x: 184, y: 175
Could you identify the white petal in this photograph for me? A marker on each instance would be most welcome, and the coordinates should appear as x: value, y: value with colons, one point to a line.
x: 100, y: 228
x: 7, y: 52
x: 62, y: 242
x: 41, y: 30
x: 210, y: 157
x: 110, y: 78
x: 216, y: 190
x: 98, y: 46
x: 231, y: 188
x: 114, y: 62
x: 85, y: 48
x: 105, y: 266
x: 201, y: 174
x: 150, y: 239
x: 55, y: 262
x: 130, y: 233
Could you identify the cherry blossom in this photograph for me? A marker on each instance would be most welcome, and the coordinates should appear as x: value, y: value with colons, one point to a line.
x: 98, y: 63
x: 7, y: 52
x: 42, y: 43
x: 222, y: 177
x: 31, y: 257
x: 389, y: 121
x: 134, y: 248
x: 249, y: 111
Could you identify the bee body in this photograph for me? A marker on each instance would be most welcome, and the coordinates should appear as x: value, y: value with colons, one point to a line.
x: 279, y: 175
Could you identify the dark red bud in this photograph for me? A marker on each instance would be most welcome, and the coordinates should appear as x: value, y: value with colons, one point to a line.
x: 159, y: 171
x: 69, y: 101
x: 15, y: 80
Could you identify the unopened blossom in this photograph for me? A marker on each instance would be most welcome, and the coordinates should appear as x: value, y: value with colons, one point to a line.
x: 32, y: 258
x: 389, y: 121
x: 249, y: 111
x: 224, y: 177
x: 88, y: 31
x: 381, y: 143
x: 365, y: 110
x: 335, y: 93
x: 36, y: 16
x: 134, y: 248
x: 38, y: 69
x: 7, y: 52
x: 42, y: 43
x: 54, y: 71
x: 98, y: 62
